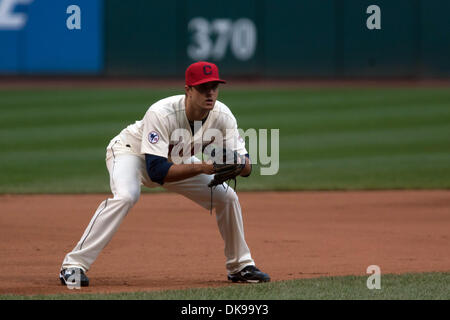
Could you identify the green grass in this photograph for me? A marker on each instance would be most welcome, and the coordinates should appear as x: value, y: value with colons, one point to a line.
x: 53, y: 141
x: 406, y: 287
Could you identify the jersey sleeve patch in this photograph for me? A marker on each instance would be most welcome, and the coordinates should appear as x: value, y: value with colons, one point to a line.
x: 153, y: 137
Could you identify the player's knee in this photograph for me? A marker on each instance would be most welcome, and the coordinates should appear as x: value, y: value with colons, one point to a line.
x: 128, y: 199
x: 228, y: 196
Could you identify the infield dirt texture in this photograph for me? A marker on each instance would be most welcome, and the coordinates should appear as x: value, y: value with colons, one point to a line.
x: 364, y: 180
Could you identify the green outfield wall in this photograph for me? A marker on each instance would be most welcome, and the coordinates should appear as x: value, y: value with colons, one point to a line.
x: 327, y: 38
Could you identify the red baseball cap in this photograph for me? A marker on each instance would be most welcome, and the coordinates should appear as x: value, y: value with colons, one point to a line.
x: 202, y: 72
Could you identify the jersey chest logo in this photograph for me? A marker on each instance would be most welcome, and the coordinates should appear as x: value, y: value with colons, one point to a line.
x: 153, y: 137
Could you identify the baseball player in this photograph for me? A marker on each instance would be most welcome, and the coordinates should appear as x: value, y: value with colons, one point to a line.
x: 143, y: 153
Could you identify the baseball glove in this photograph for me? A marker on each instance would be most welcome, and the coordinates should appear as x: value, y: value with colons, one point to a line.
x: 227, y: 166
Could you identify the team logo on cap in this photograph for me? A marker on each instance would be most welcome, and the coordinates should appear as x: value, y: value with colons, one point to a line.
x: 153, y: 137
x: 207, y: 70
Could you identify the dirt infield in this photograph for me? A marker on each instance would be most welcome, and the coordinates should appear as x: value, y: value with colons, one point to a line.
x: 168, y: 242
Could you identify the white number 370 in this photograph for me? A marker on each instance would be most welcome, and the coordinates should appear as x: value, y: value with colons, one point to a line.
x: 211, y: 39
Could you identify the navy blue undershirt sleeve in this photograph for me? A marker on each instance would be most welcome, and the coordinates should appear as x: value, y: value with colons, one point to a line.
x: 157, y: 167
x: 248, y: 156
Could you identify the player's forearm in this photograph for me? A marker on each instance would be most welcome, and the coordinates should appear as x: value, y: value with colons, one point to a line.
x: 179, y: 172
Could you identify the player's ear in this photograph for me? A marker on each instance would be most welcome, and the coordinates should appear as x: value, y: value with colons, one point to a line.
x: 187, y: 90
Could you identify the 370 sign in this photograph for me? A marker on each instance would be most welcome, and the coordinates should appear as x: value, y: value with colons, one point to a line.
x: 211, y: 39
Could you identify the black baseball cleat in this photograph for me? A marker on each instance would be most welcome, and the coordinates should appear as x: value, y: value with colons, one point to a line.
x: 74, y: 277
x: 249, y: 274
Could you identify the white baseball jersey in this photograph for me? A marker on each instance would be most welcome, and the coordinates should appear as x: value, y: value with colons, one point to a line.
x: 159, y: 131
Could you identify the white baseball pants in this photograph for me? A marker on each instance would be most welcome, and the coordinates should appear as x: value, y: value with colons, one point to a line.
x: 127, y: 173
